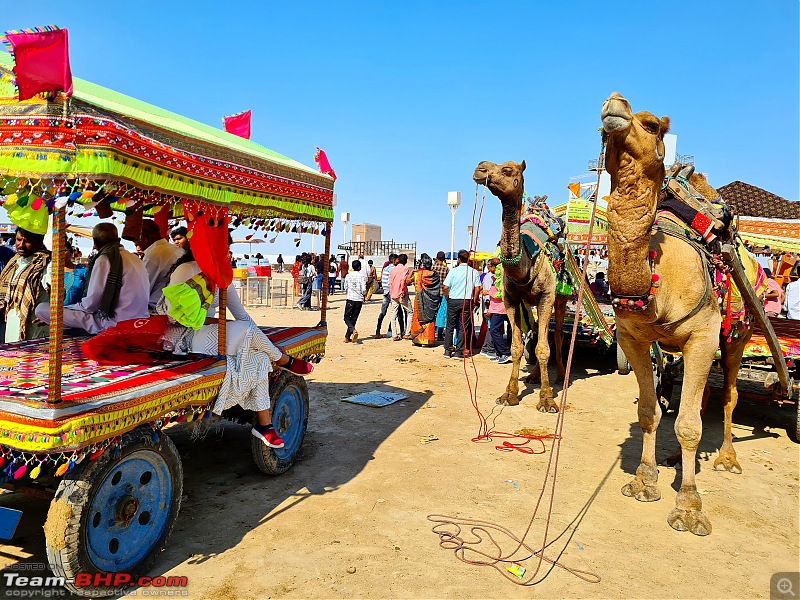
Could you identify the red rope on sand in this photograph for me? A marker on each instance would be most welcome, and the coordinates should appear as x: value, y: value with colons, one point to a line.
x: 449, y: 529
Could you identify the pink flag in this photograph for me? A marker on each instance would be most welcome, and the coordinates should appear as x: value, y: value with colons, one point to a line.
x: 238, y: 124
x: 42, y: 61
x: 324, y: 166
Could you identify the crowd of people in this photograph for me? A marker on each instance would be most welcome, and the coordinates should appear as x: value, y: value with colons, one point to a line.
x: 162, y: 283
x: 445, y: 304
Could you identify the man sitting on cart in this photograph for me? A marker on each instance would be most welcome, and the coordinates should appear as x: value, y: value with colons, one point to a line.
x: 24, y: 282
x: 117, y: 287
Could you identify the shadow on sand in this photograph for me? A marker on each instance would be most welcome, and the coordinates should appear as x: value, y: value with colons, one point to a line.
x: 219, y: 472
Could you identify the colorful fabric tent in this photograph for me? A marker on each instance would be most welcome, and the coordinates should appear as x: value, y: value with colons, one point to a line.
x: 765, y: 219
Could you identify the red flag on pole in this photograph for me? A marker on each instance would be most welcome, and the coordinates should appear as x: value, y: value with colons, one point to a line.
x: 238, y: 124
x: 324, y: 166
x: 42, y: 60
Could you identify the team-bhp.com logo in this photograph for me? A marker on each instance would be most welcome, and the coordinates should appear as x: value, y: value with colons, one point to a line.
x: 19, y: 585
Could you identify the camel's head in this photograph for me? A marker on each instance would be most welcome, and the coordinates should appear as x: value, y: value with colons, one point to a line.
x: 640, y: 136
x: 505, y: 181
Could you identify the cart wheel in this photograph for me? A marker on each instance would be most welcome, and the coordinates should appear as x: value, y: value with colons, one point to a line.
x: 529, y: 348
x: 623, y: 366
x: 115, y: 514
x: 290, y: 419
x: 794, y: 430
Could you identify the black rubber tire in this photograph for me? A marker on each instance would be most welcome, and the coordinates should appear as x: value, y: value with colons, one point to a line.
x: 78, y: 489
x: 794, y: 429
x: 266, y: 459
x: 623, y: 366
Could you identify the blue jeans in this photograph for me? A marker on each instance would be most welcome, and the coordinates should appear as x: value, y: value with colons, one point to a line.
x: 500, y: 325
x: 305, y: 299
x: 387, y: 300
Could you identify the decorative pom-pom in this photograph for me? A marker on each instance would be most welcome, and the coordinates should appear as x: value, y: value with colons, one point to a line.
x: 62, y: 469
x: 74, y: 196
x: 655, y: 277
x: 639, y: 303
x: 37, y: 470
x: 652, y: 254
x: 2, y: 460
x: 20, y: 472
x: 37, y: 204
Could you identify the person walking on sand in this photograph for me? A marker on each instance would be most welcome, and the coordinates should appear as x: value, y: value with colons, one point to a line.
x: 441, y: 270
x: 372, y: 280
x: 355, y: 285
x: 279, y: 260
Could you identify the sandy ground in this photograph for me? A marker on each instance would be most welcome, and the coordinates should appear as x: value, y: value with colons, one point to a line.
x: 349, y: 520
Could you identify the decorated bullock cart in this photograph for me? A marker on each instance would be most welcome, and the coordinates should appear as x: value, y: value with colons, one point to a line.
x: 91, y: 434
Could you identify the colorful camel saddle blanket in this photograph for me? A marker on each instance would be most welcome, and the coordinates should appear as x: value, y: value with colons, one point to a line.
x: 99, y: 401
x: 727, y: 292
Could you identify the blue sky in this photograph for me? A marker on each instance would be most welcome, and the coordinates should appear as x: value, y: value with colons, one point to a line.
x: 406, y: 98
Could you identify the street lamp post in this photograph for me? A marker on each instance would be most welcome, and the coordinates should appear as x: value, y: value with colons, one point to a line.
x: 453, y: 201
x: 345, y: 221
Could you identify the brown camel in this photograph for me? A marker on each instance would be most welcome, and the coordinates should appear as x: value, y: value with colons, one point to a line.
x: 526, y: 283
x: 678, y: 310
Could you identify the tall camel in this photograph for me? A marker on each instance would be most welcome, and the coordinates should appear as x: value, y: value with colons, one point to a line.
x: 663, y: 295
x: 527, y: 282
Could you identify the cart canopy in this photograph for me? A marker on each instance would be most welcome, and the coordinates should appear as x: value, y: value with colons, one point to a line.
x: 103, y: 141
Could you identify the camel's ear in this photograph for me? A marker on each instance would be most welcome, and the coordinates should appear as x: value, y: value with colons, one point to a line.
x: 665, y: 123
x: 522, y: 166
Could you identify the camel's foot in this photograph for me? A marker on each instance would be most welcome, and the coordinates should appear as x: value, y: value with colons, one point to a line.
x: 547, y: 404
x: 644, y: 486
x: 508, y: 399
x: 726, y: 461
x: 641, y: 491
x: 689, y: 520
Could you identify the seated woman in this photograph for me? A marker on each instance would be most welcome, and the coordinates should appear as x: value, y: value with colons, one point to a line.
x: 74, y: 277
x: 250, y: 353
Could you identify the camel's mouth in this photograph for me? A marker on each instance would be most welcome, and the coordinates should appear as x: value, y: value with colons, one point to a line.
x: 481, y: 175
x: 616, y: 113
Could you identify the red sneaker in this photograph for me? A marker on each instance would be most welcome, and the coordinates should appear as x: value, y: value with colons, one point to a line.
x: 268, y: 435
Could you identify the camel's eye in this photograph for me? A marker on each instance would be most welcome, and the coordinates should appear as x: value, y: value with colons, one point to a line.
x: 508, y: 171
x: 651, y: 125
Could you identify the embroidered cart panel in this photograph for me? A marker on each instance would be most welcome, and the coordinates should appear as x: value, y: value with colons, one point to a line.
x: 99, y: 402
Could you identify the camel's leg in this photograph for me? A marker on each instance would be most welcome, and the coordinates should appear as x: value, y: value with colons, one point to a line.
x: 511, y: 395
x: 698, y: 355
x: 731, y: 360
x: 545, y: 309
x: 675, y: 458
x: 558, y: 337
x: 643, y: 487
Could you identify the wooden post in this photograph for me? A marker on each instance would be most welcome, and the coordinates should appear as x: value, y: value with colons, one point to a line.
x: 756, y: 307
x: 57, y: 306
x: 222, y: 321
x: 324, y: 291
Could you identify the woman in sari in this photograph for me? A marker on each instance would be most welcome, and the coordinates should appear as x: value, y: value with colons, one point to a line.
x: 426, y: 304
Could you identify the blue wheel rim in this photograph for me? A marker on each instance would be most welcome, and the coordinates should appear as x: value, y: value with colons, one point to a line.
x: 129, y: 512
x: 288, y: 416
